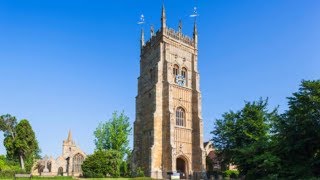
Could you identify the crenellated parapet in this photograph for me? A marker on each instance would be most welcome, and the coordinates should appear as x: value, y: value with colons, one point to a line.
x: 177, y: 35
x: 170, y: 33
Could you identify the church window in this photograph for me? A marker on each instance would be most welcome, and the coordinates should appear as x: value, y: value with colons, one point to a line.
x: 184, y: 74
x: 180, y: 117
x: 175, y: 71
x: 77, y: 162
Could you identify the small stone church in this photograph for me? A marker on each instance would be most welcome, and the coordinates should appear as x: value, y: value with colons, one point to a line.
x: 67, y: 164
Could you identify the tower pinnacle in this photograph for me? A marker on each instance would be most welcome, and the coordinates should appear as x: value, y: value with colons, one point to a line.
x: 180, y: 26
x: 163, y: 18
x: 195, y: 34
x: 142, y: 38
x: 195, y: 29
x: 69, y: 139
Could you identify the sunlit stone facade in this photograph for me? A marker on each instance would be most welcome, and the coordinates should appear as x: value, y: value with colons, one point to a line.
x: 168, y: 133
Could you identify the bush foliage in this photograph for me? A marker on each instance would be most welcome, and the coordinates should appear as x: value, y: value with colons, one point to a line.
x: 102, y: 164
x: 231, y: 173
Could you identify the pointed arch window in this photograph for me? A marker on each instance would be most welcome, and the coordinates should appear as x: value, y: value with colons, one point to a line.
x: 184, y: 74
x: 77, y: 162
x: 180, y: 117
x: 175, y: 71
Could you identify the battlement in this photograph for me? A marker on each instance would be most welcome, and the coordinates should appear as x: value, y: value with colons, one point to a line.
x: 177, y: 35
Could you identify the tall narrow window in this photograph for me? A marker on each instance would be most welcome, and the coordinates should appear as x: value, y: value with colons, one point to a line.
x: 175, y: 71
x: 180, y: 117
x: 184, y: 74
x: 77, y: 162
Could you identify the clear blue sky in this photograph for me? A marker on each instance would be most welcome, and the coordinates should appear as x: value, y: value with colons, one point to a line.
x: 70, y: 64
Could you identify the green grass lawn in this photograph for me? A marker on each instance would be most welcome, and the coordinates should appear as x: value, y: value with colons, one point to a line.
x: 142, y: 178
x: 70, y: 178
x: 117, y: 179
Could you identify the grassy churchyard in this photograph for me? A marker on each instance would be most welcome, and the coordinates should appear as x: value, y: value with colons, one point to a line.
x: 71, y: 178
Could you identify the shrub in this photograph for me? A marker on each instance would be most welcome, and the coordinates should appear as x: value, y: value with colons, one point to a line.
x: 124, y: 169
x: 11, y: 173
x: 9, y: 168
x: 138, y: 172
x: 102, y: 164
x: 231, y: 173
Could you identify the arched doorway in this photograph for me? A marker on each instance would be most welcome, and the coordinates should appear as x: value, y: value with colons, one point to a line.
x: 60, y: 171
x: 181, y: 167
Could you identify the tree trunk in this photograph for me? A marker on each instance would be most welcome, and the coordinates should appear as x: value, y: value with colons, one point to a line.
x: 21, y: 162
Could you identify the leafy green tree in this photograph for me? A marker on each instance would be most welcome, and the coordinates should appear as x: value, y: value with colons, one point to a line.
x: 113, y: 134
x: 103, y: 163
x: 298, y: 133
x: 8, y: 124
x: 243, y: 138
x: 26, y: 144
x: 20, y: 141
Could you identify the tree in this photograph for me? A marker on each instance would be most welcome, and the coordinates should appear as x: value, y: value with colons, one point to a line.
x: 298, y: 133
x: 102, y: 164
x: 243, y: 138
x: 20, y: 140
x: 113, y: 134
x: 26, y: 145
x: 8, y: 124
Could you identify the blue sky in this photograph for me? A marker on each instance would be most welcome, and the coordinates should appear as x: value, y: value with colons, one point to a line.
x: 70, y: 64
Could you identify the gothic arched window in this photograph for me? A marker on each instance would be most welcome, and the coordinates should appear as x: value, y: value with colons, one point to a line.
x: 180, y: 117
x: 175, y: 71
x: 184, y: 74
x: 77, y: 162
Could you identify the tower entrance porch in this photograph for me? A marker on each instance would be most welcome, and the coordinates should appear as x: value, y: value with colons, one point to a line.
x: 181, y: 167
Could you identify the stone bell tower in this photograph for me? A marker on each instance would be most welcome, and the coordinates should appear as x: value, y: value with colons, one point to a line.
x: 168, y: 133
